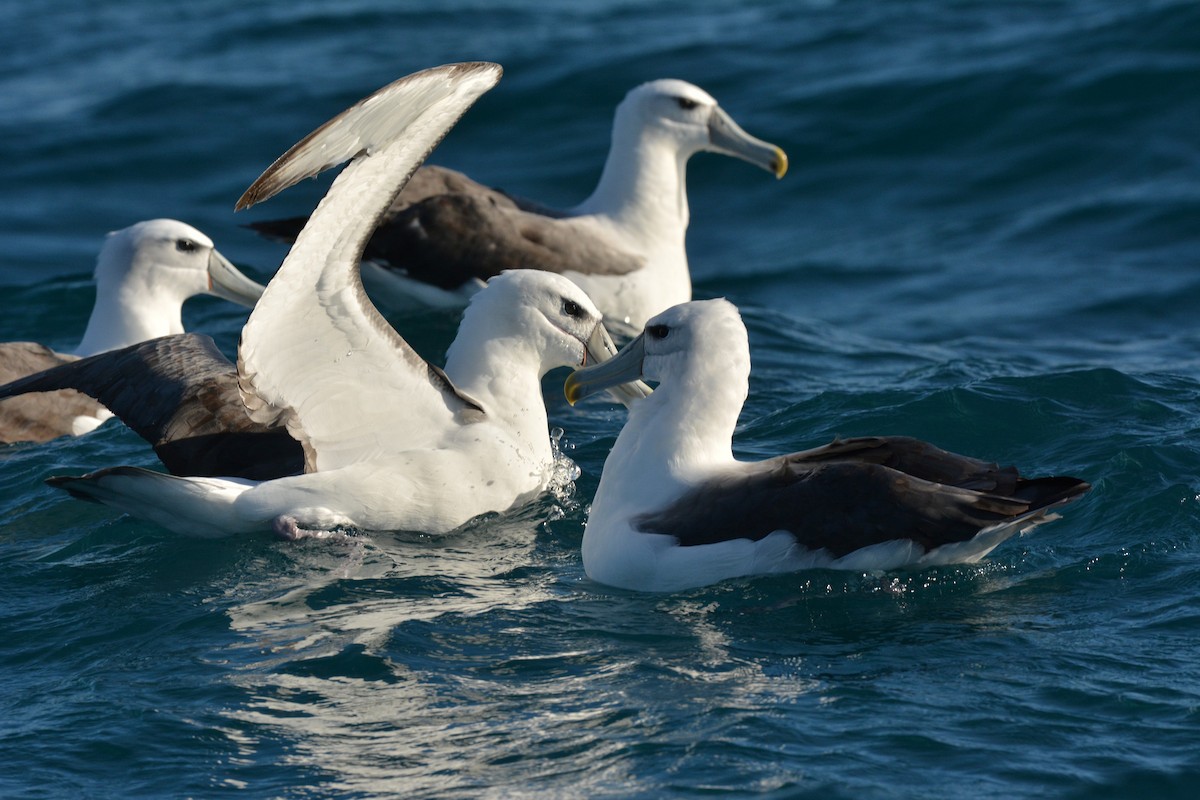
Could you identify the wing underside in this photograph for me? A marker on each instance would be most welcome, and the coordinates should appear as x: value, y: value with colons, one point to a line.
x: 316, y: 355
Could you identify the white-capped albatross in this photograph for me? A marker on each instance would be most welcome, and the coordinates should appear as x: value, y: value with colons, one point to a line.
x: 390, y: 442
x: 143, y: 275
x: 446, y: 234
x: 675, y: 510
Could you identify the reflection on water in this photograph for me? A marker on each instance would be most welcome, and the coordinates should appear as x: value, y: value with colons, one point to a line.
x: 476, y: 665
x: 354, y: 590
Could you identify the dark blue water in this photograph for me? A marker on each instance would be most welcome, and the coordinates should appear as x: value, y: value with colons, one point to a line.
x: 990, y: 238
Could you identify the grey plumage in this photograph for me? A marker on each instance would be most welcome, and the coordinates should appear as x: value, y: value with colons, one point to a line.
x: 445, y: 229
x: 38, y: 419
x: 181, y: 395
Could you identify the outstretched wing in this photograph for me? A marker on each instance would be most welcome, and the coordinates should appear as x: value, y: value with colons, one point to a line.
x: 315, y: 354
x: 181, y: 395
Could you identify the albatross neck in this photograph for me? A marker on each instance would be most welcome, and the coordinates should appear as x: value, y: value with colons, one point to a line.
x: 683, y: 428
x: 503, y: 374
x: 643, y: 184
x: 128, y: 313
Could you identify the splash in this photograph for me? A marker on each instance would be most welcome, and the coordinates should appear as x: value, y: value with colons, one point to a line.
x: 563, y: 473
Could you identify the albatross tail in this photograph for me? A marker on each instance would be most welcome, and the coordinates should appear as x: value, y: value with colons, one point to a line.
x: 1043, y: 496
x: 197, y: 507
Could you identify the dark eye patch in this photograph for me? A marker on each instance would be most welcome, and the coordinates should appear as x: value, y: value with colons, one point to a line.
x: 186, y: 246
x: 658, y: 331
x: 572, y: 309
x: 686, y: 103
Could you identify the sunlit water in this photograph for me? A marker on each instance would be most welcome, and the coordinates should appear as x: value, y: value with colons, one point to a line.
x: 988, y: 239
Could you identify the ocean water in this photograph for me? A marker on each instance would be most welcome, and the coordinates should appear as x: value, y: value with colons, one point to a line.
x: 989, y: 238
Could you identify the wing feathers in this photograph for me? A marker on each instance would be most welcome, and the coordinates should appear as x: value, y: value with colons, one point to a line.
x: 37, y: 419
x: 316, y: 355
x: 181, y: 395
x: 368, y: 125
x: 859, y: 492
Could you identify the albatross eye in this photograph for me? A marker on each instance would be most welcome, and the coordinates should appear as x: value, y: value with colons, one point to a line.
x: 658, y: 331
x: 185, y: 246
x: 572, y: 309
x: 687, y: 103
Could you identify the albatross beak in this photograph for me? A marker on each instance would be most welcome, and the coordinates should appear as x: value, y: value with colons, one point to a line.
x: 727, y: 137
x: 624, y: 370
x: 599, y: 349
x: 226, y: 282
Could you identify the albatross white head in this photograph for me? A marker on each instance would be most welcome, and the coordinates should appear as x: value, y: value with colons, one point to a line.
x: 683, y: 349
x: 534, y: 318
x: 699, y: 354
x: 691, y: 117
x: 641, y: 202
x: 143, y: 275
x: 657, y: 128
x: 520, y: 326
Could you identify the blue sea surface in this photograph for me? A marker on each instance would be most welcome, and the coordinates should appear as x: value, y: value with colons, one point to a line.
x: 989, y: 238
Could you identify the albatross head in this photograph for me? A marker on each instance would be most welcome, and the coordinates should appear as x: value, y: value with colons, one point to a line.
x: 550, y: 317
x: 694, y: 346
x: 691, y: 118
x: 143, y: 275
x: 170, y: 260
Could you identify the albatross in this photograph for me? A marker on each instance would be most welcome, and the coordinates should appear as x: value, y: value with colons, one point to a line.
x: 389, y: 441
x: 675, y: 510
x: 446, y: 234
x: 143, y: 275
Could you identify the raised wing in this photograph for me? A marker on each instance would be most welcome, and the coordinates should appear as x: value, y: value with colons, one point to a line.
x: 859, y: 492
x: 181, y: 395
x: 315, y: 354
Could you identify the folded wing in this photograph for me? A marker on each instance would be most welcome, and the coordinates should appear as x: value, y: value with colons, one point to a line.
x: 855, y: 493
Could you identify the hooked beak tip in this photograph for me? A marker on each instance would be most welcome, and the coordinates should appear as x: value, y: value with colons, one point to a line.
x: 571, y: 390
x: 781, y: 163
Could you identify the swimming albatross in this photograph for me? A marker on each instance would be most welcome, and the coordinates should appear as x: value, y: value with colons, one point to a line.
x: 675, y: 510
x: 389, y: 441
x: 143, y: 275
x: 446, y: 234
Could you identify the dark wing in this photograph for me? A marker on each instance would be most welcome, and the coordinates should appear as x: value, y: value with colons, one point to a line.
x: 451, y: 239
x: 428, y: 181
x: 859, y: 492
x: 181, y: 395
x: 38, y: 419
x: 445, y: 229
x: 917, y: 458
